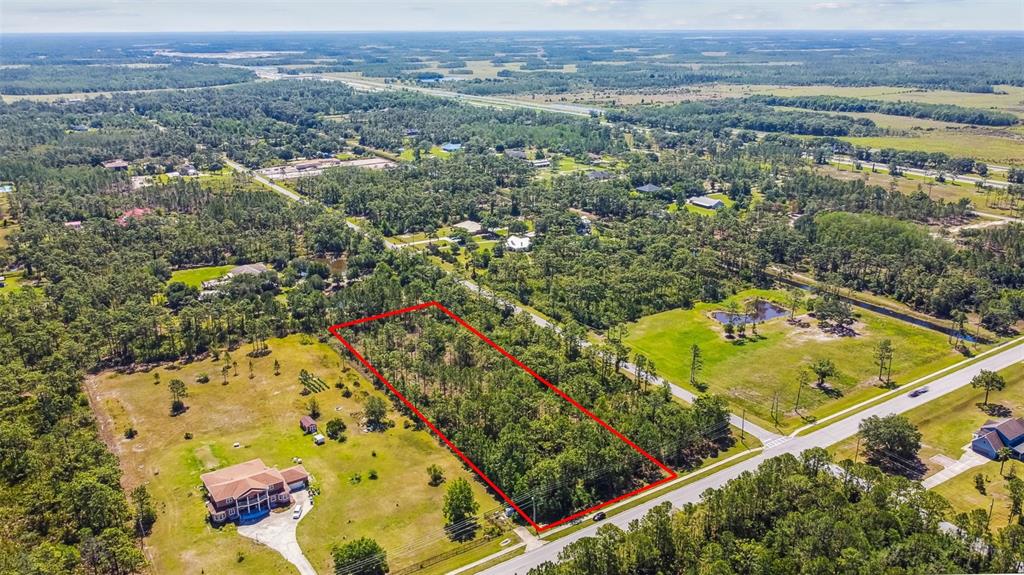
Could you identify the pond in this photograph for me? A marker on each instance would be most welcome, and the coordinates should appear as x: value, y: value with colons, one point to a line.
x: 763, y: 311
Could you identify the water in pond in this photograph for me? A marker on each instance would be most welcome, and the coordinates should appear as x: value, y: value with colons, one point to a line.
x: 763, y: 311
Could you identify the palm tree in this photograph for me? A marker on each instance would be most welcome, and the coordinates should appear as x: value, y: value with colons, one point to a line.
x: 1004, y: 454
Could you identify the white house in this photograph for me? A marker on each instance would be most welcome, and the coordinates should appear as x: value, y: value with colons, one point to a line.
x: 518, y: 243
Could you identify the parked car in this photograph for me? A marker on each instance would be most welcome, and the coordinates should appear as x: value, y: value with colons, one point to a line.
x: 918, y: 391
x: 297, y: 511
x: 599, y: 516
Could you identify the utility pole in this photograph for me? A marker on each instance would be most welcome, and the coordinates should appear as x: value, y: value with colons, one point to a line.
x: 856, y: 452
x: 743, y: 424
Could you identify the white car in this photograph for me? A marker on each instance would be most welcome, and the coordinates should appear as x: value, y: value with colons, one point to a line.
x: 297, y: 511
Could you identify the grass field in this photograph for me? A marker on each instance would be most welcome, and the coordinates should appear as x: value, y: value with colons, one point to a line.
x: 993, y: 149
x: 738, y: 370
x: 949, y: 191
x: 196, y: 276
x: 435, y: 151
x: 704, y: 211
x: 261, y: 414
x: 11, y: 282
x: 946, y: 423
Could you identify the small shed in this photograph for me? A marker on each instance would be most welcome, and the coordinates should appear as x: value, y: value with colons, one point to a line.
x: 307, y: 424
x: 319, y: 439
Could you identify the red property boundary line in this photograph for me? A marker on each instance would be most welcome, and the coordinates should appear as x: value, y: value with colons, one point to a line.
x: 670, y: 475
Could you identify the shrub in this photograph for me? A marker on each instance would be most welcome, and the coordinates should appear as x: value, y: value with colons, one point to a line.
x: 373, y: 474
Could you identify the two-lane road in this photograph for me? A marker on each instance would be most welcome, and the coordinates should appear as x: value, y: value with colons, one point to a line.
x: 823, y: 437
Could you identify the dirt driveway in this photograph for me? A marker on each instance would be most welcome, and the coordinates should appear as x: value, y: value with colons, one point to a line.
x: 277, y: 531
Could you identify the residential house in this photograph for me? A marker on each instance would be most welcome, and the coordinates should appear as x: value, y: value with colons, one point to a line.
x: 188, y: 170
x: 117, y: 164
x: 470, y: 226
x: 516, y: 154
x: 995, y: 435
x: 518, y: 243
x: 599, y: 175
x: 451, y: 147
x: 250, y: 490
x: 649, y: 188
x: 541, y: 163
x: 308, y: 424
x: 247, y: 269
x: 706, y: 202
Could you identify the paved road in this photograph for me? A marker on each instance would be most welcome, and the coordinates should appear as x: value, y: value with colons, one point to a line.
x: 279, y: 189
x: 963, y: 179
x: 824, y: 437
x: 762, y: 434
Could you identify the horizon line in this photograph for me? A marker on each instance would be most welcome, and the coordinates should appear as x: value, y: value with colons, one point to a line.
x: 522, y: 30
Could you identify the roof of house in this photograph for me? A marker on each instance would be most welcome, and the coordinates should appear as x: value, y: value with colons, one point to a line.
x: 451, y: 146
x: 237, y: 480
x: 518, y: 242
x: 469, y: 225
x: 118, y: 163
x: 294, y: 474
x: 306, y: 421
x: 248, y: 269
x: 993, y: 440
x: 706, y: 202
x: 517, y: 154
x: 648, y: 188
x: 1011, y: 427
x: 598, y: 175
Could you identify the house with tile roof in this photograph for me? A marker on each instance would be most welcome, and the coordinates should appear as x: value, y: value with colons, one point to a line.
x: 249, y: 490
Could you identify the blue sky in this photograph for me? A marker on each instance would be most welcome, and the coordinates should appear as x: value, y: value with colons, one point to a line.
x: 361, y: 15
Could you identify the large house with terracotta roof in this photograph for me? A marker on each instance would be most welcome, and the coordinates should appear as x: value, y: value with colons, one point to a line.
x: 250, y: 490
x: 995, y: 435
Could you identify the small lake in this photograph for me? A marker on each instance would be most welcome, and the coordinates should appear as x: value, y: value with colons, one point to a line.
x: 763, y: 311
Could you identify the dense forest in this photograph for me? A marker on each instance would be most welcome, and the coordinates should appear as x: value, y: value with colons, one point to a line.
x: 942, y: 112
x: 64, y: 79
x: 800, y: 516
x: 532, y: 443
x: 734, y: 113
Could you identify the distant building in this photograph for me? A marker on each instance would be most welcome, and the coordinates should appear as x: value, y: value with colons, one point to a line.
x: 516, y: 154
x: 599, y: 175
x: 995, y: 435
x: 188, y: 170
x: 518, y: 243
x: 307, y: 424
x: 75, y: 225
x: 3, y: 281
x: 649, y: 188
x: 250, y: 490
x: 541, y: 163
x: 706, y: 202
x: 79, y: 128
x: 117, y: 164
x: 244, y: 270
x: 451, y: 147
x: 132, y: 214
x: 470, y: 226
x: 319, y: 439
x: 412, y: 132
x: 6, y: 188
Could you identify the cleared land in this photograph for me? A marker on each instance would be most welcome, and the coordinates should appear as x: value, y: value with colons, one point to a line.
x: 739, y: 370
x: 948, y: 191
x: 196, y: 276
x: 995, y: 149
x: 397, y: 509
x: 946, y: 423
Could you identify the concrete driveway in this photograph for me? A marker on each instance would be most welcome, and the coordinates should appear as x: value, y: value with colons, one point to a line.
x: 277, y: 531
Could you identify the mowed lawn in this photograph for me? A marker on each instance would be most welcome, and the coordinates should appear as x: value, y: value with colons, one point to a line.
x: 196, y: 276
x: 750, y: 372
x: 397, y: 509
x: 946, y: 423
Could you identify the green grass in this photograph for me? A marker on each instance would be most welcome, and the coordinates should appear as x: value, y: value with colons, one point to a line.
x: 946, y: 423
x: 738, y: 370
x: 705, y: 211
x: 262, y: 414
x: 13, y: 282
x: 963, y: 496
x: 954, y: 143
x: 196, y: 276
x: 435, y: 151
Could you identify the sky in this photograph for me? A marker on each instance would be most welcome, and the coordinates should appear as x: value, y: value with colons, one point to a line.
x: 438, y: 15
